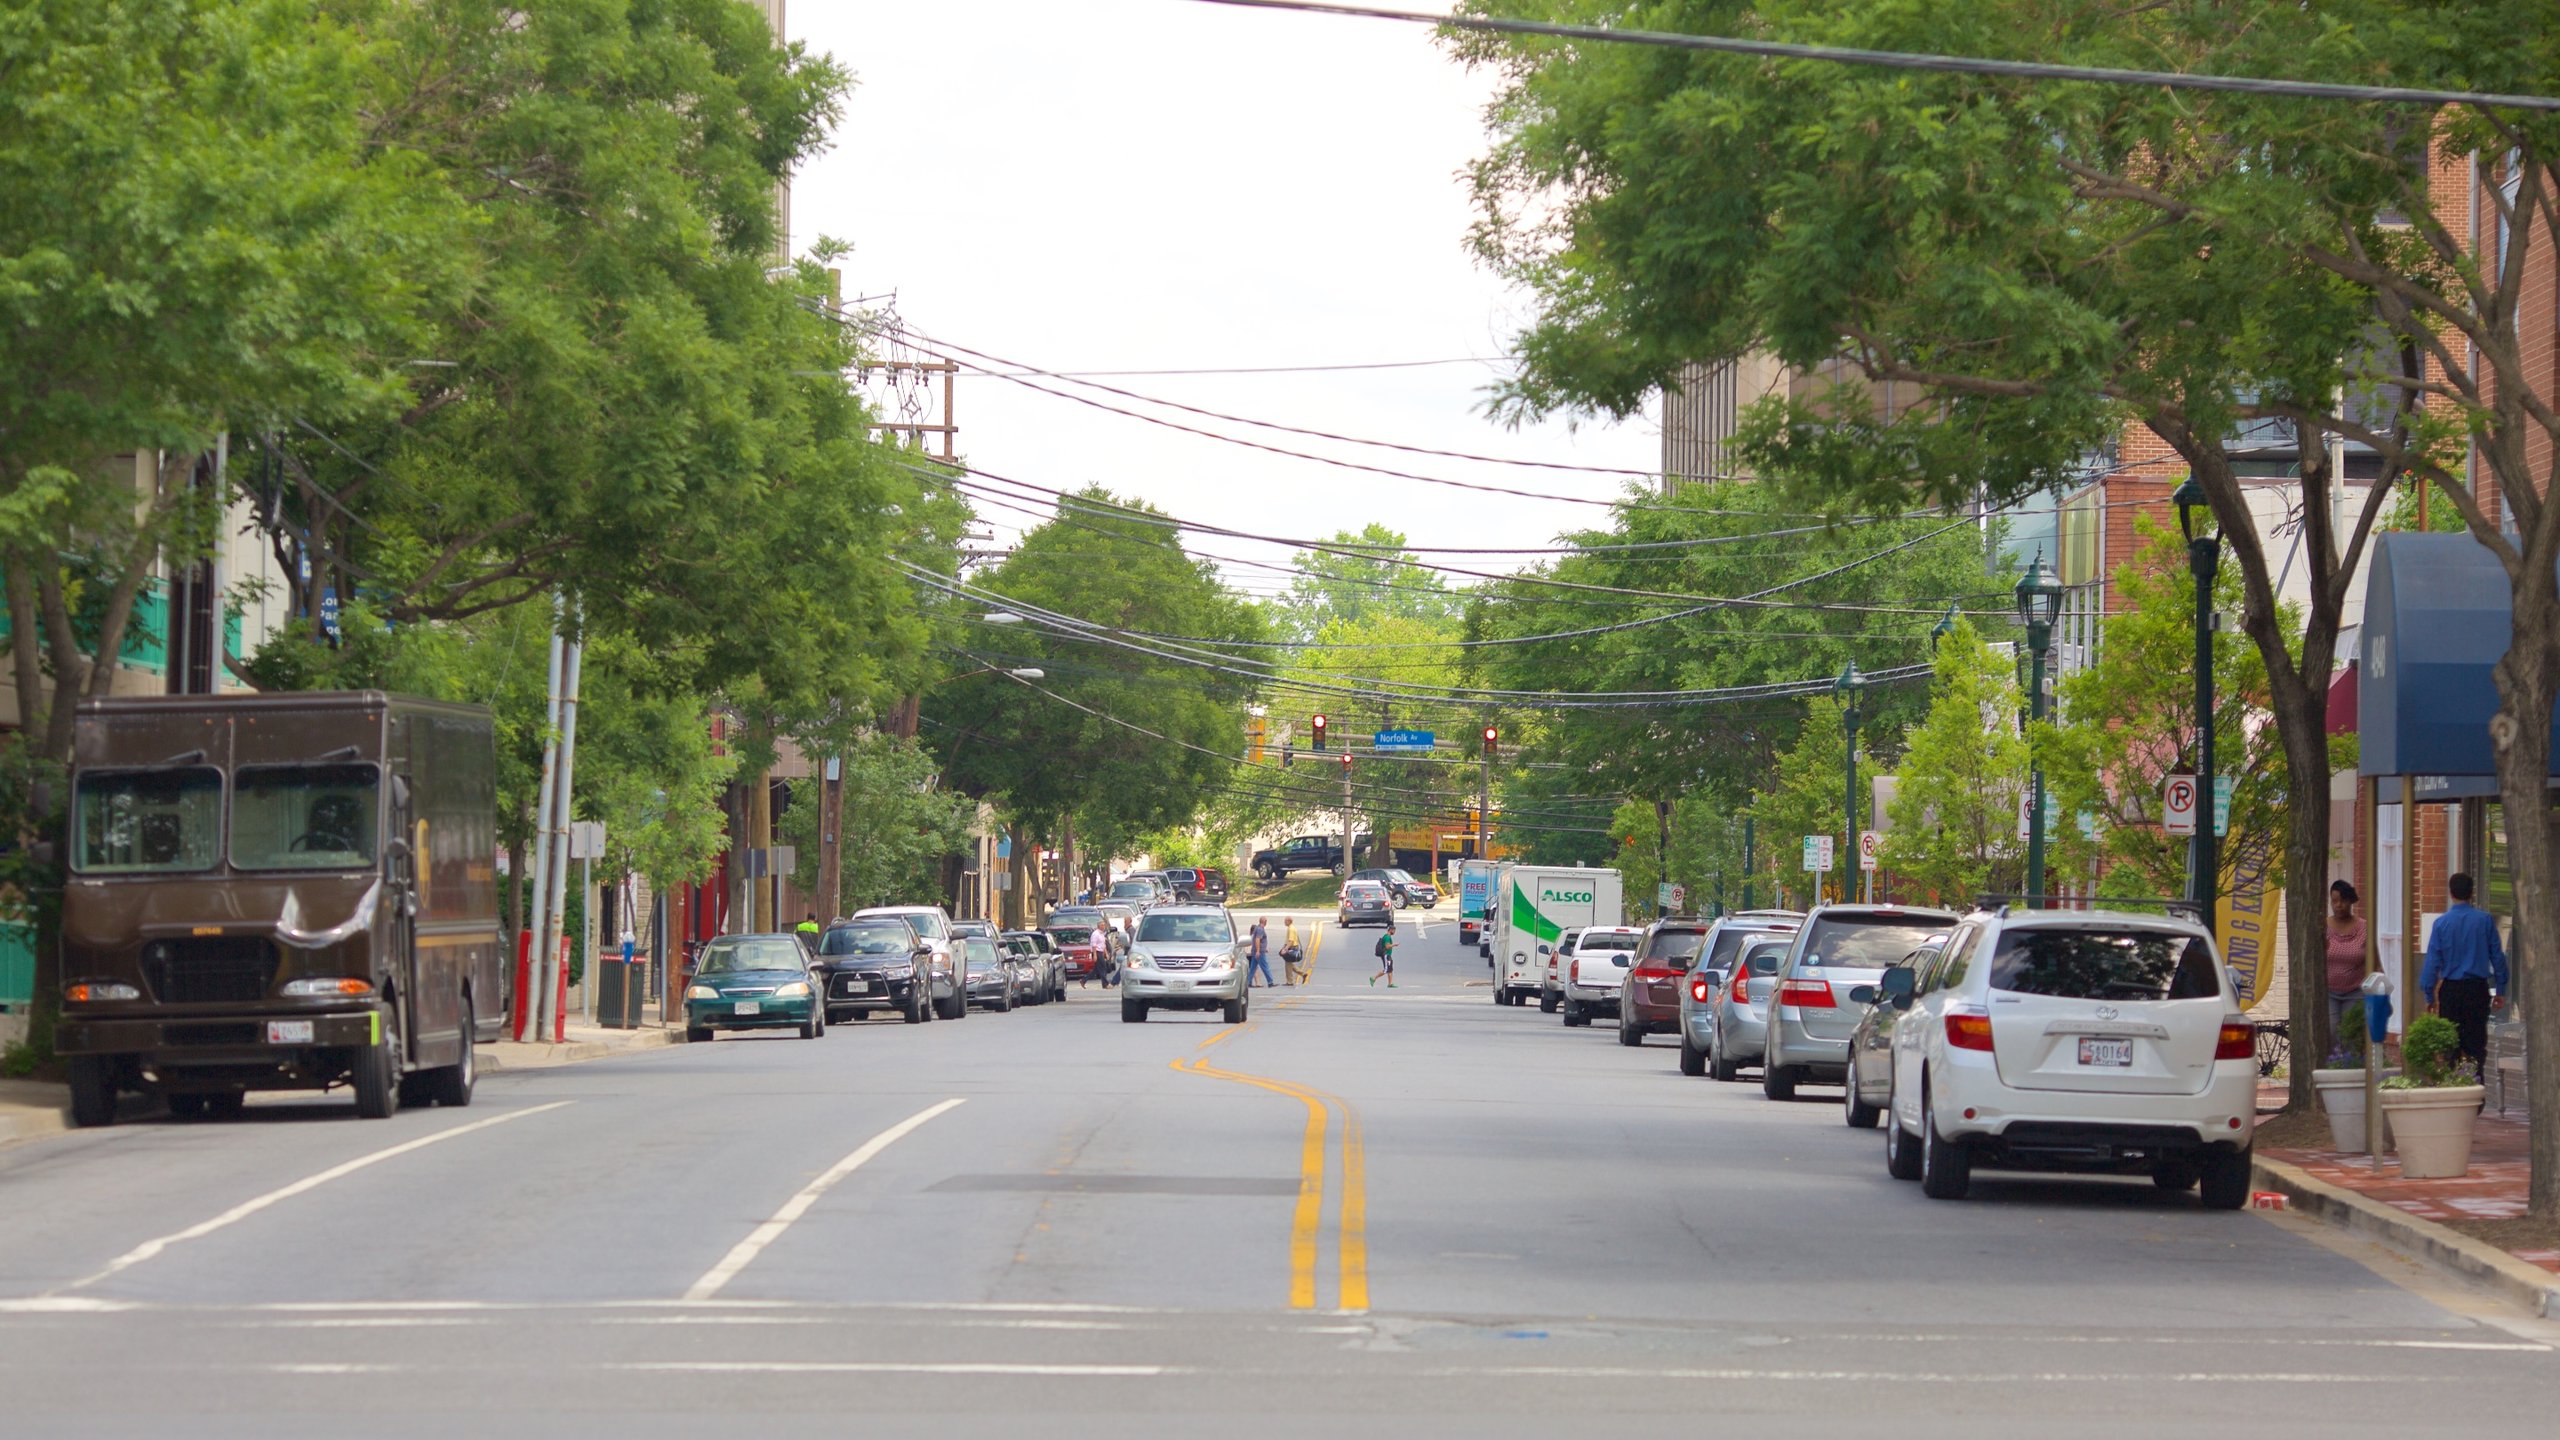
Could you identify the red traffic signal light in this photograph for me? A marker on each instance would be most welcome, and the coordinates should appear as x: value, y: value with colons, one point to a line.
x: 1317, y: 725
x: 1346, y: 760
x: 1492, y: 740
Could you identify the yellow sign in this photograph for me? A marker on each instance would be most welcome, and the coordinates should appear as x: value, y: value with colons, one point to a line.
x: 1253, y: 729
x: 2245, y: 920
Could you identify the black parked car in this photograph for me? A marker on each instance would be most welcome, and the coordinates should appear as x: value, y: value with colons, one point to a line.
x: 871, y: 966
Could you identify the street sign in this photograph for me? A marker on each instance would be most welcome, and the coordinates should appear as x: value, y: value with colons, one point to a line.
x: 2221, y: 806
x: 1817, y: 853
x: 2178, y: 805
x: 1679, y: 897
x: 586, y: 839
x: 1403, y: 740
x: 1870, y: 844
x: 1665, y: 897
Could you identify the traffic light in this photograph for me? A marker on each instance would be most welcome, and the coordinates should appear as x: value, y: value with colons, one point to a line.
x: 1288, y: 756
x: 1346, y: 762
x: 1317, y: 725
x: 1492, y: 740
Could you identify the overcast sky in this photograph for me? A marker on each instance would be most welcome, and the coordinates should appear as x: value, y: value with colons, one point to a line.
x: 1156, y: 184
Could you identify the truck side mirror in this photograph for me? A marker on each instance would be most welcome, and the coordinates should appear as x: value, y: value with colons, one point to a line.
x: 1894, y: 987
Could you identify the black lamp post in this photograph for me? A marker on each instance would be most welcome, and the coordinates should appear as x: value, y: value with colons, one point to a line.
x: 1849, y: 687
x: 2039, y: 595
x: 2204, y: 555
x: 1946, y: 626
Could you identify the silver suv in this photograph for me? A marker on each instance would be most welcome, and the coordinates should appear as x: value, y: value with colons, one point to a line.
x: 1185, y: 957
x: 1707, y: 979
x: 1838, y: 948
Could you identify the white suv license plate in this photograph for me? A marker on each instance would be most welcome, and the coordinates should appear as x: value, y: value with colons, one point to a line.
x: 2095, y: 1052
x: 750, y: 1007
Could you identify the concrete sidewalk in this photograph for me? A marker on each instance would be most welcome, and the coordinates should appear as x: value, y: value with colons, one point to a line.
x: 2349, y: 1190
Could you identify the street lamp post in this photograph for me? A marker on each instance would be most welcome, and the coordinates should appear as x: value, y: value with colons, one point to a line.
x: 2204, y: 555
x: 1849, y: 687
x: 2039, y: 606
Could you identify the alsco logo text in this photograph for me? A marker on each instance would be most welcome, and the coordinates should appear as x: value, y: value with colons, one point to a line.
x: 1583, y: 896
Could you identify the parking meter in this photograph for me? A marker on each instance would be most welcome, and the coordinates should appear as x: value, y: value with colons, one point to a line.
x: 2377, y: 1007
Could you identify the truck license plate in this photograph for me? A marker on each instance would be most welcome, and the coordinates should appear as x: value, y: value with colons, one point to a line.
x: 750, y: 1007
x: 288, y: 1032
x: 2105, y: 1052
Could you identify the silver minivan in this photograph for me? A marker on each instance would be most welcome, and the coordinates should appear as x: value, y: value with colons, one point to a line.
x: 1810, y: 1018
x: 1699, y: 990
x: 1737, y: 1007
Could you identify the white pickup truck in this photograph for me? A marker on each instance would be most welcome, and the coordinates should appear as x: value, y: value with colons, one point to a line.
x: 1591, y: 969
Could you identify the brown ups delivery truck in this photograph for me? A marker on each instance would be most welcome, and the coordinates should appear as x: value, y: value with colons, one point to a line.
x: 290, y: 891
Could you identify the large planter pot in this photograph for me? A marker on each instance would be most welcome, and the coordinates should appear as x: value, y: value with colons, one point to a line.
x: 2342, y: 1099
x: 2432, y: 1129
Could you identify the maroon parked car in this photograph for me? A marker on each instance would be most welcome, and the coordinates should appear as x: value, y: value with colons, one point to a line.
x: 1650, y: 1004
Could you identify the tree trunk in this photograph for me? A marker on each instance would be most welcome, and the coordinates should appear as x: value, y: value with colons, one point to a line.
x: 2303, y: 726
x: 2528, y: 676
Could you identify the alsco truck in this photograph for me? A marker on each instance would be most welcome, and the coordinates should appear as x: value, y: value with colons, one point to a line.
x: 1533, y: 905
x: 283, y: 891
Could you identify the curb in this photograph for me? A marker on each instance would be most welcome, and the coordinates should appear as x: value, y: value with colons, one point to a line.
x: 575, y: 1051
x: 2530, y: 1286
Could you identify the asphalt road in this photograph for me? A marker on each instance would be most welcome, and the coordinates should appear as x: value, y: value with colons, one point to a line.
x: 1378, y: 1212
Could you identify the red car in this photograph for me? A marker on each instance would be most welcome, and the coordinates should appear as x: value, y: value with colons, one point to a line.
x: 1072, y: 932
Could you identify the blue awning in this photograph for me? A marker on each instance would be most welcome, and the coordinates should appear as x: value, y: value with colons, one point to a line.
x: 2436, y: 619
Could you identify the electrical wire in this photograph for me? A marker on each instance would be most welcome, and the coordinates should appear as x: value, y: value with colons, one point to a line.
x: 1904, y: 60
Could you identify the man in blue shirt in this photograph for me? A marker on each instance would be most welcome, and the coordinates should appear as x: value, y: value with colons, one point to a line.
x: 2465, y: 976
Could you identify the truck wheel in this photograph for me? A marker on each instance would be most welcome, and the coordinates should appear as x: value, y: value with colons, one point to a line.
x: 93, y: 1091
x: 1132, y: 1012
x: 1574, y: 1014
x: 377, y: 1071
x: 1235, y: 1012
x: 1693, y: 1061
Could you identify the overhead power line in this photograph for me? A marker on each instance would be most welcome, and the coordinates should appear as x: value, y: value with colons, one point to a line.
x: 1904, y: 60
x: 1250, y: 369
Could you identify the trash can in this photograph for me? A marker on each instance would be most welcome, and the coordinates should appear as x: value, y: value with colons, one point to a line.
x: 622, y: 989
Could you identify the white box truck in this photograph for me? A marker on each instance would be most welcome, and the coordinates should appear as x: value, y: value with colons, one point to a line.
x: 1475, y: 885
x: 1533, y: 905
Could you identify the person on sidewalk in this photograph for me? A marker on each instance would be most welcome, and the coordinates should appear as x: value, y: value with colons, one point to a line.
x: 1293, y: 956
x: 2465, y: 976
x: 2344, y: 970
x: 1257, y: 952
x: 1386, y: 953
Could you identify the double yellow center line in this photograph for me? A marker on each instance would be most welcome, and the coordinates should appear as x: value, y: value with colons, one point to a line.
x: 1306, y: 1225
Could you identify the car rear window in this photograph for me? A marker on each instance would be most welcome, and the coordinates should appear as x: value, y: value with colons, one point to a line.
x: 2105, y: 965
x: 1857, y: 942
x: 1675, y: 947
x: 1605, y: 942
x: 1762, y: 958
x: 1731, y: 939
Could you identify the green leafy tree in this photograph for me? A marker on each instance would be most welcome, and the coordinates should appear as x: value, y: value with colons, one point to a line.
x: 1805, y: 795
x: 1114, y: 741
x: 2129, y: 719
x: 1963, y: 772
x: 1372, y: 580
x: 898, y: 825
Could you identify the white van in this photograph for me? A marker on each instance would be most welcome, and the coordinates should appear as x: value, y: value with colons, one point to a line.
x: 1533, y: 905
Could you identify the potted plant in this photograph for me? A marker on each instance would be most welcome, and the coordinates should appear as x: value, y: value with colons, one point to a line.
x: 2433, y: 1103
x: 2340, y: 1085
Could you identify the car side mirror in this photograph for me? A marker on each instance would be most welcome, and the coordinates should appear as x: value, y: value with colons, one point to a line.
x: 1546, y: 949
x: 1895, y: 986
x: 1862, y: 994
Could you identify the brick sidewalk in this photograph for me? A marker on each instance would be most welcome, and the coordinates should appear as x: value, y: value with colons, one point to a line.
x: 2494, y: 1190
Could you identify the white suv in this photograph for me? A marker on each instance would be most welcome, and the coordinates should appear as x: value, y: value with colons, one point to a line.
x: 2042, y: 1039
x: 1591, y: 967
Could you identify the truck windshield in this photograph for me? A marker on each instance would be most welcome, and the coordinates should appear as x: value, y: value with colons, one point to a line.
x: 143, y: 821
x: 303, y: 817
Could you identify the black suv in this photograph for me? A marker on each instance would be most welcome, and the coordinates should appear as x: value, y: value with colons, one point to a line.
x: 873, y: 965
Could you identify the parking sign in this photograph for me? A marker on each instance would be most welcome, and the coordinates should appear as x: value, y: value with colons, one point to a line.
x: 2178, y: 805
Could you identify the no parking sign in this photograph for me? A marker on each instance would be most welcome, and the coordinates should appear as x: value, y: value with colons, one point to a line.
x: 2178, y: 804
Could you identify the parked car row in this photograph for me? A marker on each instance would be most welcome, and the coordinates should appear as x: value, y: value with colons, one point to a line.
x: 2016, y: 1039
x: 911, y: 961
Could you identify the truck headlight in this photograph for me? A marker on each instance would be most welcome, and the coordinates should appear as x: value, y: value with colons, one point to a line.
x: 700, y: 992
x: 334, y: 986
x: 88, y: 991
x: 1141, y: 957
x: 793, y: 990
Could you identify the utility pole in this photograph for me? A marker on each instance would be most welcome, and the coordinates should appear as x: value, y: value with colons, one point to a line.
x: 2204, y: 555
x: 831, y: 840
x: 528, y: 1008
x: 1746, y: 862
x: 1346, y: 810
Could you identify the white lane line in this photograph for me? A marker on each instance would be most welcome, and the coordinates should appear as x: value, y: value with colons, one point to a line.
x: 890, y: 1367
x: 246, y: 1208
x: 745, y: 1252
x: 2051, y: 1377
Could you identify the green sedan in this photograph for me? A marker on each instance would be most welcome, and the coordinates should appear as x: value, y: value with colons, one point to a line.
x: 753, y: 982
